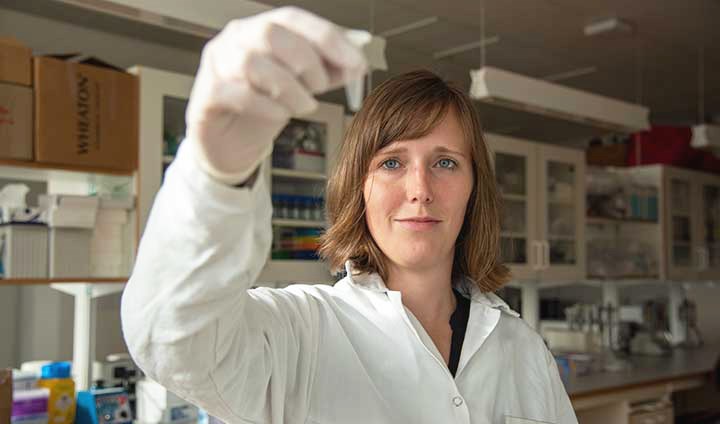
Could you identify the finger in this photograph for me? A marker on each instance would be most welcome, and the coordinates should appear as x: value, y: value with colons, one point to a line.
x: 299, y: 55
x: 327, y: 38
x: 240, y: 97
x: 233, y: 62
x: 270, y: 77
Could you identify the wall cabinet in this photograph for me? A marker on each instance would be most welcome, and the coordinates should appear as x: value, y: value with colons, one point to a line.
x: 163, y: 100
x: 543, y: 221
x: 680, y: 242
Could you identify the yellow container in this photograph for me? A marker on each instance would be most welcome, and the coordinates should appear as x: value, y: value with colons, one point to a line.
x: 61, y: 404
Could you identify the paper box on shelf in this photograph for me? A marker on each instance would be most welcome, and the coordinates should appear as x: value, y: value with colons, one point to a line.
x: 15, y: 62
x: 612, y: 155
x: 85, y: 114
x: 16, y: 137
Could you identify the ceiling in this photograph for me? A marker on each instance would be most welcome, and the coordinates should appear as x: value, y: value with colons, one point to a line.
x: 656, y: 65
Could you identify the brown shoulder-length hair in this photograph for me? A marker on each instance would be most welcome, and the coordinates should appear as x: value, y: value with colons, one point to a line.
x: 406, y: 107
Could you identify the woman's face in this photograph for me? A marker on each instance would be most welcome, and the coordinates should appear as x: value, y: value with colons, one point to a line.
x: 416, y: 193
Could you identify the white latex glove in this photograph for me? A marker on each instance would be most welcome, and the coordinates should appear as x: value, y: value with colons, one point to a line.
x: 255, y: 75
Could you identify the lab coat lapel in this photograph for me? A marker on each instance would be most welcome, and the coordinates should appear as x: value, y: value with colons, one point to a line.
x: 485, y: 311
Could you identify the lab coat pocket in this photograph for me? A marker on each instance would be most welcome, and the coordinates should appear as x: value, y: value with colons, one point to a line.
x: 517, y: 420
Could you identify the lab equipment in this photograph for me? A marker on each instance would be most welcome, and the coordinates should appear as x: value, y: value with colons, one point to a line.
x: 103, y: 406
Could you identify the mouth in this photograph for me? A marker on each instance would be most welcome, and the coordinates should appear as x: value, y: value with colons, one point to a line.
x: 419, y: 223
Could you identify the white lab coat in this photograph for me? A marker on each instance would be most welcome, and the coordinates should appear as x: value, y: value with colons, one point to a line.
x: 348, y: 353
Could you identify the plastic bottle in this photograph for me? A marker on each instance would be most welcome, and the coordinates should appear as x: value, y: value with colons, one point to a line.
x: 61, y: 404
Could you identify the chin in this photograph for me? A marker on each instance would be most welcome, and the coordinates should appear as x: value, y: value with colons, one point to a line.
x: 418, y: 260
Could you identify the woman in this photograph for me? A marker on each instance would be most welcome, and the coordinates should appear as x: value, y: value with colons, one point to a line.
x: 412, y: 333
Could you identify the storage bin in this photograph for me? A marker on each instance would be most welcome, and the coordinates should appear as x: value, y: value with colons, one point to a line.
x: 24, y: 250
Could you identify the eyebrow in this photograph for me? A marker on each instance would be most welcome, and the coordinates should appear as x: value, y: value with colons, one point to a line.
x: 441, y: 149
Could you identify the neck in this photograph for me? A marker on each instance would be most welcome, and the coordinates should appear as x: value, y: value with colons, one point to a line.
x: 427, y: 292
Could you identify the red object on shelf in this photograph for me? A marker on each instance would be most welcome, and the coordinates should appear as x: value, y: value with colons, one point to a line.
x: 663, y: 145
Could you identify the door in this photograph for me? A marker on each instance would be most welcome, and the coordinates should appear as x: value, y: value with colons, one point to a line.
x: 561, y: 212
x: 708, y: 226
x: 515, y: 163
x: 682, y: 255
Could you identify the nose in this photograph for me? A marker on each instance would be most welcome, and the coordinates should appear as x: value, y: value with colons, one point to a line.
x: 418, y: 185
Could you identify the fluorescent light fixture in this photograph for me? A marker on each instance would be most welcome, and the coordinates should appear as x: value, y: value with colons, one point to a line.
x: 465, y: 47
x: 706, y: 136
x: 571, y: 74
x: 608, y: 25
x: 515, y: 91
x: 412, y: 26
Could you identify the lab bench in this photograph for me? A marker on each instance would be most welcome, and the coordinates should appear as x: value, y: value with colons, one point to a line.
x: 641, y: 393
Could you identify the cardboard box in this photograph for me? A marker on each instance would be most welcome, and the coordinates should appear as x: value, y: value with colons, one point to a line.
x: 15, y: 62
x: 85, y: 115
x: 6, y: 393
x: 16, y: 140
x: 612, y: 155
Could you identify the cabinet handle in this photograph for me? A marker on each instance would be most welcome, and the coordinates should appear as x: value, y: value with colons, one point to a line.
x: 537, y: 255
x: 546, y: 254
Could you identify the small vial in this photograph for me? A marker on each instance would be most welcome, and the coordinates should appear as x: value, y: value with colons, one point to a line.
x: 308, y: 208
x: 295, y: 207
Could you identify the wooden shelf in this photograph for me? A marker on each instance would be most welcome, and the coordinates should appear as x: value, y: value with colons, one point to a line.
x: 516, y: 197
x: 298, y: 223
x: 561, y: 237
x: 607, y: 220
x: 513, y: 234
x: 304, y: 175
x: 623, y: 277
x: 40, y: 281
x: 59, y: 167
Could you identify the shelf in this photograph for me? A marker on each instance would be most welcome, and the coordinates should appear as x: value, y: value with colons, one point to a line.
x: 638, y: 277
x: 607, y: 220
x: 681, y: 214
x: 512, y: 234
x: 79, y: 280
x: 67, y: 168
x: 561, y: 237
x: 515, y: 197
x: 304, y: 175
x: 298, y: 223
x: 680, y: 243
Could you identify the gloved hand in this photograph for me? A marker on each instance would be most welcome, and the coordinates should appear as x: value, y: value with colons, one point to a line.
x: 255, y: 75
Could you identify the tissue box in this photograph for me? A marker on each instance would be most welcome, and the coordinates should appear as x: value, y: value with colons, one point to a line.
x: 24, y: 250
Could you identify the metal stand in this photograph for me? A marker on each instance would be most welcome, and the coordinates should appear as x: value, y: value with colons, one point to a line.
x: 84, y: 325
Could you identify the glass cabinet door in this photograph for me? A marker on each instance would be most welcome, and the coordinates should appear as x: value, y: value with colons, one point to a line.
x: 511, y: 176
x: 682, y: 250
x: 562, y: 212
x: 515, y: 165
x: 709, y: 226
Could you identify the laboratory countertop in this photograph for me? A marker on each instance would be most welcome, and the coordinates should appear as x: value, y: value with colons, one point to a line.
x: 647, y: 370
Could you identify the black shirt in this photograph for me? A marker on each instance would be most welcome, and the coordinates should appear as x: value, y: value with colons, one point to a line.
x: 458, y: 324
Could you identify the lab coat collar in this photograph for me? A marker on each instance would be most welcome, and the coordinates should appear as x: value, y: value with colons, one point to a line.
x: 373, y: 281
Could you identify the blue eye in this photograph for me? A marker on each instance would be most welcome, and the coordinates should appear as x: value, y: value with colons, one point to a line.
x: 387, y: 164
x: 447, y: 163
